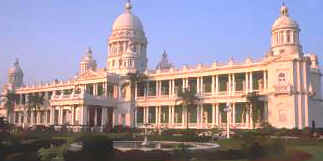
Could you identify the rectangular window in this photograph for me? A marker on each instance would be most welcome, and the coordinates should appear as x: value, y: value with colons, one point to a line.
x: 48, y: 116
x: 178, y: 114
x: 178, y: 85
x: 240, y: 112
x: 141, y: 89
x: 207, y: 84
x: 164, y: 114
x: 56, y: 117
x: 140, y: 115
x: 100, y: 89
x: 192, y: 114
x: 42, y: 117
x: 165, y: 88
x: 152, y: 88
x: 152, y: 115
x: 223, y: 82
x: 207, y: 113
x: 223, y: 114
x: 239, y: 81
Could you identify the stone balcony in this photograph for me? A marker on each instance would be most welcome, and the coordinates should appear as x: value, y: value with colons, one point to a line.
x: 82, y: 98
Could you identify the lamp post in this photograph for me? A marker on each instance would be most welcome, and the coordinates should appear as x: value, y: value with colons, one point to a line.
x: 228, y: 109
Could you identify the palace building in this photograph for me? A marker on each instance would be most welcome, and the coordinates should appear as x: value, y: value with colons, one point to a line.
x: 286, y: 83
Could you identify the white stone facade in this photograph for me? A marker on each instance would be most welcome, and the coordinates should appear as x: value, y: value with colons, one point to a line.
x: 286, y: 79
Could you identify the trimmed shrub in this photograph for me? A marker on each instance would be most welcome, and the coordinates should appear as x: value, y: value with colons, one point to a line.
x: 99, y: 147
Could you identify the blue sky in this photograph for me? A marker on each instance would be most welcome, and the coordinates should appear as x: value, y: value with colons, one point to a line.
x: 49, y: 37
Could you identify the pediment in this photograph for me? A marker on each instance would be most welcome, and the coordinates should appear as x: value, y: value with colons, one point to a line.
x: 89, y: 75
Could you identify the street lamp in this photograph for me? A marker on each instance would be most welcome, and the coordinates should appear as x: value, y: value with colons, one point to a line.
x: 228, y: 109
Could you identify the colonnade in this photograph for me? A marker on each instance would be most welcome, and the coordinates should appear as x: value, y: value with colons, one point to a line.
x: 207, y: 116
x: 231, y: 84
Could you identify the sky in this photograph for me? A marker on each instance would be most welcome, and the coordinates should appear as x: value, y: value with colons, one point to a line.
x: 50, y: 36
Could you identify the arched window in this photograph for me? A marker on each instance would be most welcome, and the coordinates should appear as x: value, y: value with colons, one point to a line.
x: 120, y: 62
x: 281, y: 38
x: 113, y: 63
x: 288, y: 37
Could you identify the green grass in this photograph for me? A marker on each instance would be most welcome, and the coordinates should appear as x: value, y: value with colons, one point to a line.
x: 316, y: 149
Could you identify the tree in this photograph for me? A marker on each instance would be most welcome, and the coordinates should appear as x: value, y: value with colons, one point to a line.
x: 10, y: 99
x: 188, y: 98
x: 135, y: 78
x: 35, y: 102
x: 253, y: 106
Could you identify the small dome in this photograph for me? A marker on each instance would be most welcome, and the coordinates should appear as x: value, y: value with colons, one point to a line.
x: 284, y: 21
x: 164, y: 62
x: 127, y: 20
x: 15, y: 69
x: 88, y: 56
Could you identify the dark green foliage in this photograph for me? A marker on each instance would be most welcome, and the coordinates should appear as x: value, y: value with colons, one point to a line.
x: 99, y: 147
x: 187, y: 98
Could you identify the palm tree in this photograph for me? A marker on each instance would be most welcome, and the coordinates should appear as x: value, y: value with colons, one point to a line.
x: 9, y: 103
x: 253, y: 106
x: 135, y: 78
x: 188, y: 98
x: 34, y: 103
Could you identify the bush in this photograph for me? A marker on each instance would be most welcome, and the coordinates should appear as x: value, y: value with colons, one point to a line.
x: 99, y: 147
x: 52, y: 154
x: 119, y: 129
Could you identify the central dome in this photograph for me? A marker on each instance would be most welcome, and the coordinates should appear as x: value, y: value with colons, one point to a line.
x: 127, y: 20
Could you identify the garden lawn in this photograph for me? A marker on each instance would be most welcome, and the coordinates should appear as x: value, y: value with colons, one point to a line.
x: 316, y: 149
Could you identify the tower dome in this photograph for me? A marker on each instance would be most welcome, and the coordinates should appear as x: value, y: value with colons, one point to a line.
x: 284, y: 21
x: 127, y: 20
x: 285, y: 35
x: 15, y: 75
x: 87, y: 62
x: 15, y: 69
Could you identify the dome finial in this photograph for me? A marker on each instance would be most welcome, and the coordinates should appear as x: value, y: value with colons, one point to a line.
x: 283, y: 9
x: 128, y: 5
x: 89, y: 50
x: 16, y: 62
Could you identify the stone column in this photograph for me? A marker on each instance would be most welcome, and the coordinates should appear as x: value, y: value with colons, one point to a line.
x: 157, y: 88
x: 184, y: 116
x: 32, y: 115
x: 234, y: 113
x: 170, y: 88
x: 230, y: 84
x: 52, y: 115
x: 173, y: 87
x: 104, y: 116
x: 265, y: 80
x: 202, y: 86
x: 247, y: 82
x: 217, y: 84
x: 95, y: 116
x: 198, y: 80
x: 217, y: 114
x: 213, y: 115
x: 251, y: 82
x: 84, y: 115
x: 171, y: 111
x: 233, y: 83
x: 61, y: 115
x: 213, y: 85
x: 157, y: 116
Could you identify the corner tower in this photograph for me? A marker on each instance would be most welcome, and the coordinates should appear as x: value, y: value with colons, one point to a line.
x: 15, y: 75
x: 127, y: 44
x: 285, y: 35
